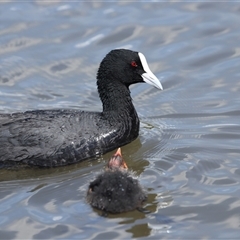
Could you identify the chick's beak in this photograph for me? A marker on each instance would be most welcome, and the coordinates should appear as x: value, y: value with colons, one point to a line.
x: 116, y: 161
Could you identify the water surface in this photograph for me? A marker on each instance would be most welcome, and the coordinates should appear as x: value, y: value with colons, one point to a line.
x: 187, y: 156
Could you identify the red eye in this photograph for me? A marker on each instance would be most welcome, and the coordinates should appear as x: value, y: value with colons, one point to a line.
x: 134, y: 64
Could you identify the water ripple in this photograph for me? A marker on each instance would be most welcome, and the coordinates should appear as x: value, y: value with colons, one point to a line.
x: 187, y: 154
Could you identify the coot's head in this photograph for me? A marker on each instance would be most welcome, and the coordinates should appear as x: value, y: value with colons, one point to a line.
x: 127, y: 67
x: 116, y: 162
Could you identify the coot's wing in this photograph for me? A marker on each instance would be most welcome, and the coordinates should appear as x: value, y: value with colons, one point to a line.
x: 48, y: 137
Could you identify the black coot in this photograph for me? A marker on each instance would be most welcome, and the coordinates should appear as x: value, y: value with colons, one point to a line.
x: 115, y: 190
x: 63, y: 136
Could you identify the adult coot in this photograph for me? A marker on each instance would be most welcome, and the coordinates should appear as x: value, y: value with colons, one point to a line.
x: 115, y: 190
x: 63, y: 136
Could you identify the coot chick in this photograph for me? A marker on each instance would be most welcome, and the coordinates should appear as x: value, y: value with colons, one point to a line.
x: 65, y: 136
x: 115, y: 190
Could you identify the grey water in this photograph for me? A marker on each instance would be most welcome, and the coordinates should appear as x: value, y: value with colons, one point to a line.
x: 187, y: 155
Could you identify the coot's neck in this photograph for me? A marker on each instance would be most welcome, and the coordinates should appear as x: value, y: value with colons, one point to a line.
x: 115, y: 97
x: 119, y: 112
